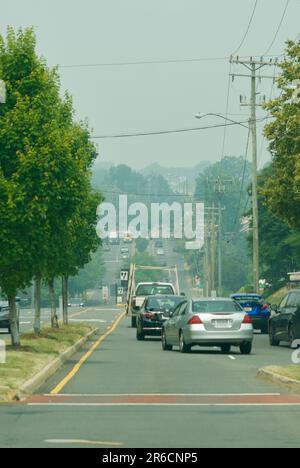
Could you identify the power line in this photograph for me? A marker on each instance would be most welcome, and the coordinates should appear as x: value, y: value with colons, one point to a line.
x: 247, y: 30
x: 168, y: 132
x: 244, y: 177
x: 279, y: 27
x: 150, y: 62
x: 144, y: 62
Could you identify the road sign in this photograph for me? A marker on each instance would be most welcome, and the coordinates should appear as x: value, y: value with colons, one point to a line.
x: 2, y: 92
x: 124, y: 275
x: 120, y: 291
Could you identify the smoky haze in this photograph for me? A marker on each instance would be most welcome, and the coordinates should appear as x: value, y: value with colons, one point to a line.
x: 154, y: 97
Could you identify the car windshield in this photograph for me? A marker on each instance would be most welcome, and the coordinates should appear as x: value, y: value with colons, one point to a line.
x: 206, y: 307
x: 163, y: 303
x: 248, y: 298
x: 152, y: 290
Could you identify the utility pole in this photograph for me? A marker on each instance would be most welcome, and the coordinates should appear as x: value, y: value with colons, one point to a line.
x: 219, y: 187
x: 254, y: 66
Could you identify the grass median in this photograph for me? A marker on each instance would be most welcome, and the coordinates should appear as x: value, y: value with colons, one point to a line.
x: 291, y: 372
x: 34, y: 354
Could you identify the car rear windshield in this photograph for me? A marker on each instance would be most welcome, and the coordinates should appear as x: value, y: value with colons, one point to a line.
x: 163, y: 303
x: 152, y: 290
x: 248, y: 298
x: 206, y: 307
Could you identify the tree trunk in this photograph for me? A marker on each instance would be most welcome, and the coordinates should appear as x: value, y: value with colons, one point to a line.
x: 65, y: 299
x: 54, y: 318
x: 37, y: 306
x: 14, y: 321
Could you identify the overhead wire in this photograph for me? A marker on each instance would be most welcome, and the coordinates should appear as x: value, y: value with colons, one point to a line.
x: 279, y: 27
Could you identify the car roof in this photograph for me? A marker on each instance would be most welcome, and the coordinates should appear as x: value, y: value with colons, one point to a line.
x: 166, y: 296
x: 155, y: 283
x: 209, y: 299
x: 246, y: 295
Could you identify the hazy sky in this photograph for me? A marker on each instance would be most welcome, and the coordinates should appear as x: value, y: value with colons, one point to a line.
x: 121, y: 99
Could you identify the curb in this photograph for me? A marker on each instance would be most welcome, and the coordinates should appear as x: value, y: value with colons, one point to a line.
x: 35, y: 382
x: 278, y: 379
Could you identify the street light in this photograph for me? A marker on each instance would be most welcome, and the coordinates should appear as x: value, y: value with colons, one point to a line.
x: 235, y: 122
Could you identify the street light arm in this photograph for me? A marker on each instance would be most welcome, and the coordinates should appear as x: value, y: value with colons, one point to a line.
x: 201, y: 116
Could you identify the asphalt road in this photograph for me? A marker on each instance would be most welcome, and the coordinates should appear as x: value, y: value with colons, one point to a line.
x: 134, y: 394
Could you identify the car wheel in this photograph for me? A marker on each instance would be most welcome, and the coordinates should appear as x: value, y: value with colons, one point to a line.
x: 133, y: 321
x: 226, y: 349
x: 165, y: 345
x: 184, y: 348
x: 246, y: 348
x: 140, y: 335
x: 291, y: 336
x: 273, y: 340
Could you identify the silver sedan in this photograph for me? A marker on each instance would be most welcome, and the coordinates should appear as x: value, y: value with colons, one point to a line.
x: 210, y: 323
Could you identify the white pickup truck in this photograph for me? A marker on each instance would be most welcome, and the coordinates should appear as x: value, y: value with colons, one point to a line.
x: 144, y: 290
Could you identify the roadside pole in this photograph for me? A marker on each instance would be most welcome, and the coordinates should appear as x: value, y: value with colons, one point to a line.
x: 254, y: 66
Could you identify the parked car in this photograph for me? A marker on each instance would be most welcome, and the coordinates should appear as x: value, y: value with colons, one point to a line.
x: 144, y: 290
x: 207, y: 322
x: 257, y: 308
x: 285, y: 323
x: 76, y: 303
x: 154, y: 313
x: 4, y: 316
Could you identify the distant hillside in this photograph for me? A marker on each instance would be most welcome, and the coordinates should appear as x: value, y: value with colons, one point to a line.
x: 189, y: 172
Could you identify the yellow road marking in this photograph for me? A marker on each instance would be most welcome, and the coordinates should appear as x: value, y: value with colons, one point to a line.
x: 83, y: 442
x: 84, y: 358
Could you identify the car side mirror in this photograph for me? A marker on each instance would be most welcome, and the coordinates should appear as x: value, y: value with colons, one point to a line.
x: 275, y: 308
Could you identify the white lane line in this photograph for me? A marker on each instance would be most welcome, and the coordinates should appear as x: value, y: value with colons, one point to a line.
x: 164, y: 395
x: 232, y: 358
x: 82, y: 442
x: 146, y: 405
x: 25, y: 323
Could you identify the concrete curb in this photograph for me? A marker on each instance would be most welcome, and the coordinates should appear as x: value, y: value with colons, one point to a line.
x: 50, y: 369
x: 280, y: 380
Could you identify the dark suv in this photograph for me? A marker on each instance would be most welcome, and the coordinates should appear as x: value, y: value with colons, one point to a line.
x: 4, y: 315
x: 155, y: 311
x: 285, y: 324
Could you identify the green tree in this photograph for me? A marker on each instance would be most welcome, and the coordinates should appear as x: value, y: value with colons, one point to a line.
x: 282, y: 188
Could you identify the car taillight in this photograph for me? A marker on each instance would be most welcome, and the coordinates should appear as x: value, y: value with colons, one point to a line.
x: 134, y: 301
x: 265, y: 307
x: 247, y: 320
x: 196, y: 320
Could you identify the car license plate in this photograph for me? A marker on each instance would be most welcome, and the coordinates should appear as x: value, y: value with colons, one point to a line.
x: 248, y: 309
x: 222, y: 323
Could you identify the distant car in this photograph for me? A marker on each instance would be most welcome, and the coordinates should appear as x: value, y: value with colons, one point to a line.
x: 210, y: 323
x: 144, y: 290
x: 4, y: 316
x: 125, y: 253
x: 154, y: 312
x: 284, y: 326
x: 159, y: 244
x: 160, y: 252
x: 76, y: 303
x: 258, y: 310
x: 128, y: 239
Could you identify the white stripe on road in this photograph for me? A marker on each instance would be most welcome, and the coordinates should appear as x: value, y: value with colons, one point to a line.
x: 76, y: 395
x: 88, y: 320
x: 146, y: 405
x: 232, y: 358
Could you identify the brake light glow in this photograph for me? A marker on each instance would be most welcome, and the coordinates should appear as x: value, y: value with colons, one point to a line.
x: 265, y: 307
x: 247, y: 320
x: 148, y: 315
x: 196, y: 320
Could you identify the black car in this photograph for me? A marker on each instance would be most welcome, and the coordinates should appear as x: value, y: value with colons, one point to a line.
x: 4, y: 316
x: 285, y: 324
x: 155, y: 311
